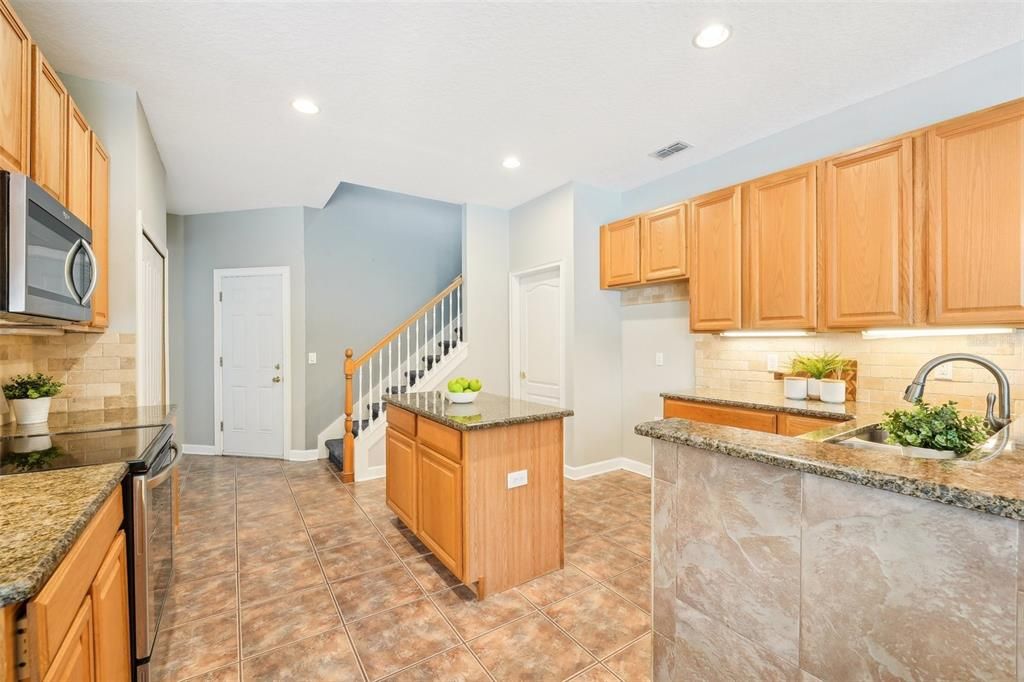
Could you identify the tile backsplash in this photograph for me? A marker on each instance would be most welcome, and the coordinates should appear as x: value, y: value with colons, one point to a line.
x: 98, y: 370
x: 884, y: 366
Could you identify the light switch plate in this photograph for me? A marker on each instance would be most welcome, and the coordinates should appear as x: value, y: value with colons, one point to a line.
x: 312, y: 358
x: 517, y: 479
x: 659, y: 359
x: 943, y: 372
x: 772, y: 362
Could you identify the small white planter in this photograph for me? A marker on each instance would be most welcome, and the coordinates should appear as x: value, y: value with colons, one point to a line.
x: 813, y: 388
x: 833, y: 391
x: 31, y: 444
x: 464, y: 397
x: 795, y: 388
x: 31, y: 411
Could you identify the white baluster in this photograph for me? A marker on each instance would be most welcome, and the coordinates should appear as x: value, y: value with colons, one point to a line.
x: 359, y: 397
x: 433, y: 343
x: 391, y: 371
x: 399, y: 337
x: 408, y: 364
x: 458, y: 304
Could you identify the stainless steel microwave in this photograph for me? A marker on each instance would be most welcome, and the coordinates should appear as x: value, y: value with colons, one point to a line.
x: 48, y: 270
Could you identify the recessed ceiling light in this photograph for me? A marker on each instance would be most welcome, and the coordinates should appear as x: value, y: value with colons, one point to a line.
x: 712, y: 35
x: 510, y: 162
x: 305, y: 106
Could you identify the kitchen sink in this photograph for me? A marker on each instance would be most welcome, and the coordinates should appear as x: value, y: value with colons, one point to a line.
x: 873, y: 437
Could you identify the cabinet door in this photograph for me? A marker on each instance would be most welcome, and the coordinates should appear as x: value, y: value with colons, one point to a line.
x: 782, y: 242
x: 74, y: 661
x: 663, y: 244
x: 109, y: 595
x: 79, y: 155
x: 620, y: 253
x: 715, y: 279
x: 401, y: 477
x: 976, y: 218
x: 15, y: 91
x: 439, y: 507
x: 49, y: 127
x: 100, y: 223
x: 867, y: 237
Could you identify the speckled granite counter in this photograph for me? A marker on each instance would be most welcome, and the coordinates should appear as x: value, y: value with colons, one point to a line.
x: 806, y: 408
x: 41, y: 516
x: 94, y: 420
x: 486, y: 412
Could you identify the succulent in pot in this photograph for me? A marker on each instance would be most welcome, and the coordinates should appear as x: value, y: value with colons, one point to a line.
x: 932, y: 428
x: 29, y: 396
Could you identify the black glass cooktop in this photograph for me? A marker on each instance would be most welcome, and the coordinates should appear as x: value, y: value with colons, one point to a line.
x: 138, y: 447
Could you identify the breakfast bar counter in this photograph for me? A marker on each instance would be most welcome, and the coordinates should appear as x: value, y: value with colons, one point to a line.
x: 480, y: 484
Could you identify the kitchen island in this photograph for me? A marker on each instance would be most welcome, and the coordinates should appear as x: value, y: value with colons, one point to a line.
x: 480, y: 484
x: 786, y: 558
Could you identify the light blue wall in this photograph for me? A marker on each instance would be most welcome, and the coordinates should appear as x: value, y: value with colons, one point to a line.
x: 980, y: 83
x: 237, y: 239
x: 372, y: 258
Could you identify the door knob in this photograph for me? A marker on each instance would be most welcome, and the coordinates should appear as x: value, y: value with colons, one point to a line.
x: 277, y: 366
x: 522, y: 375
x: 276, y: 380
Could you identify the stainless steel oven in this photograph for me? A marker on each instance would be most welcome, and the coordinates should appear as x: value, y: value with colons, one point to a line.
x: 152, y: 527
x: 48, y: 271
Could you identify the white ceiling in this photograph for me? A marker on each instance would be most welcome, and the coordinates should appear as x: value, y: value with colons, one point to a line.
x: 428, y: 98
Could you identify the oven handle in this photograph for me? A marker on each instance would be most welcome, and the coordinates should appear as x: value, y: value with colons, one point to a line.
x: 69, y: 262
x: 160, y: 476
x: 95, y: 271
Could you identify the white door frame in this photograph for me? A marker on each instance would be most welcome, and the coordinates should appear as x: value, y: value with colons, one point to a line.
x: 514, y: 331
x: 286, y: 328
x: 161, y: 248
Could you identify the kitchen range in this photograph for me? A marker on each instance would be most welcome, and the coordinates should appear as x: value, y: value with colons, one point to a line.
x: 144, y: 460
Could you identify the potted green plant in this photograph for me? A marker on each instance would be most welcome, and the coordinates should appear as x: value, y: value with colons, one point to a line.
x: 29, y: 395
x: 935, y: 431
x: 819, y: 367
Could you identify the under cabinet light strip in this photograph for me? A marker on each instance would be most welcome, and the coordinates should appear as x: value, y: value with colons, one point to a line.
x: 912, y: 332
x: 767, y: 333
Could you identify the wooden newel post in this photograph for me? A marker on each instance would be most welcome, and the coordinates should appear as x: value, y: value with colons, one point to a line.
x: 348, y: 464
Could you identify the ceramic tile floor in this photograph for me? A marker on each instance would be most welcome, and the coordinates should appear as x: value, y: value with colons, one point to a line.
x: 285, y: 573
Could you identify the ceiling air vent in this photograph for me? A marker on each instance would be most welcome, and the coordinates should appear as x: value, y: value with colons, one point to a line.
x: 671, y: 149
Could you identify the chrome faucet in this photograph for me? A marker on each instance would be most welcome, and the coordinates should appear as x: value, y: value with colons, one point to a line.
x: 916, y: 389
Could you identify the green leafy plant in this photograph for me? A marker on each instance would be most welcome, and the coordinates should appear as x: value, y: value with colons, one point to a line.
x: 32, y: 386
x: 820, y: 366
x: 937, y: 427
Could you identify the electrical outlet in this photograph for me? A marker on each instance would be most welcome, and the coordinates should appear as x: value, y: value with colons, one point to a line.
x: 312, y: 358
x: 517, y: 479
x: 943, y: 372
x: 659, y: 359
x: 772, y: 360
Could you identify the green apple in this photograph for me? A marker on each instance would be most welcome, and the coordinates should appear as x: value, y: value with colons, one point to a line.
x: 454, y: 386
x: 475, y: 385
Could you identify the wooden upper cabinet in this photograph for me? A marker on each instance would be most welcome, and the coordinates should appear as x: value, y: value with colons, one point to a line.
x: 976, y: 218
x: 79, y: 155
x: 620, y: 253
x: 663, y: 242
x: 109, y: 595
x: 867, y: 237
x: 716, y: 263
x: 782, y: 235
x: 49, y: 127
x: 99, y: 221
x: 15, y: 91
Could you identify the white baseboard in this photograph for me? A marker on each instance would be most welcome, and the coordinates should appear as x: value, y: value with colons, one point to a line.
x: 303, y: 455
x: 199, y: 449
x: 607, y: 466
x: 371, y: 473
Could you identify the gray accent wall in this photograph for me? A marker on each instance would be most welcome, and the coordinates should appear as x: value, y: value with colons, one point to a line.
x: 373, y: 257
x: 237, y: 239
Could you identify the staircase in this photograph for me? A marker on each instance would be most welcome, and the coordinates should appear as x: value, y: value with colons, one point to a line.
x: 416, y: 355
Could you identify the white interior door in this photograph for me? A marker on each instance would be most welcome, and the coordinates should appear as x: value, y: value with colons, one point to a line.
x: 540, y: 337
x: 151, y: 337
x: 252, y: 345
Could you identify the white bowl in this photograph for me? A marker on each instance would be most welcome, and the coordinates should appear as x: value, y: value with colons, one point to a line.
x: 464, y: 397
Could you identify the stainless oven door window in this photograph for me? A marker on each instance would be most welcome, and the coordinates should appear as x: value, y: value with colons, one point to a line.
x: 154, y: 546
x: 58, y: 270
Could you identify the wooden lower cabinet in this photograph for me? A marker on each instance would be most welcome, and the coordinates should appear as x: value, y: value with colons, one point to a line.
x: 75, y: 660
x: 401, y: 479
x: 439, y: 509
x: 767, y: 420
x: 109, y: 596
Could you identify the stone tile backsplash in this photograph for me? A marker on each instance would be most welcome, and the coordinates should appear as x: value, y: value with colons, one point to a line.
x: 98, y: 370
x: 884, y: 366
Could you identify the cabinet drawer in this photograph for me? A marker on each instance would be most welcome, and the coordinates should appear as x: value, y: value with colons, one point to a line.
x: 795, y: 425
x: 445, y: 440
x: 402, y: 420
x: 724, y: 416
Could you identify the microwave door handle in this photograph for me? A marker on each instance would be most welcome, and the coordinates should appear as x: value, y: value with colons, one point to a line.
x: 95, y: 271
x: 69, y: 263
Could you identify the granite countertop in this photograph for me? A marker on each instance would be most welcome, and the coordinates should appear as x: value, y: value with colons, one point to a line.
x: 806, y: 408
x: 41, y: 516
x: 487, y: 411
x: 84, y: 421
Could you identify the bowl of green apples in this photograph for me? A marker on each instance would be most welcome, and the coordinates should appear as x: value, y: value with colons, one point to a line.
x: 463, y: 390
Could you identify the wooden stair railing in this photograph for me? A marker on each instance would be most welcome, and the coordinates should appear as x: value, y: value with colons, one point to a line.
x: 425, y: 344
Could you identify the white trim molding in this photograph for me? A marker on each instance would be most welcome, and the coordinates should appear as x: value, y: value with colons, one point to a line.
x: 190, y: 449
x: 607, y: 466
x: 303, y: 455
x: 286, y: 350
